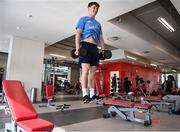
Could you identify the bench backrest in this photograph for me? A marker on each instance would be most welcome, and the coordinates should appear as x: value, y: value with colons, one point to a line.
x: 18, y: 101
x: 49, y: 91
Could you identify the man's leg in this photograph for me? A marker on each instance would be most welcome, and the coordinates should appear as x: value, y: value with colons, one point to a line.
x: 91, y: 80
x: 84, y: 80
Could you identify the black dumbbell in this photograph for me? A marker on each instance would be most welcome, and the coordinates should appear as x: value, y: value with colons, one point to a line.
x: 81, y: 52
x: 105, y: 54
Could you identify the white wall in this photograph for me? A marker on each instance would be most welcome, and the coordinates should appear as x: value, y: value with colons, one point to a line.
x: 4, y: 46
x: 25, y: 63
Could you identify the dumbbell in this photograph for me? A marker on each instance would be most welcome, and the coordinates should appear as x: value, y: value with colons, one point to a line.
x: 105, y: 54
x: 81, y: 52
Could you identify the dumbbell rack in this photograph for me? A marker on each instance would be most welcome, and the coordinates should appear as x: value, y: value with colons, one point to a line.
x: 118, y: 87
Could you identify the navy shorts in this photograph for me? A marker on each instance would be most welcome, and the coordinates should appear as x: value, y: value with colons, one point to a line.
x: 92, y: 56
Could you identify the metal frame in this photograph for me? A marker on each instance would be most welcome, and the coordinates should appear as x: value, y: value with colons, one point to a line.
x: 122, y: 112
x: 12, y: 126
x: 53, y: 106
x: 161, y: 105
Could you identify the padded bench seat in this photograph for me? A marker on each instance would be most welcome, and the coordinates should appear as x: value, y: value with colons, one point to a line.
x: 119, y: 103
x: 128, y: 104
x: 24, y: 116
x: 36, y: 124
x: 142, y: 106
x: 153, y: 98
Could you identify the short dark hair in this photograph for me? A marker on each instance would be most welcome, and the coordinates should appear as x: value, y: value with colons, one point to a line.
x: 93, y: 3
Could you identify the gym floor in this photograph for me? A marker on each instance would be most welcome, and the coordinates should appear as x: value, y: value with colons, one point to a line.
x: 88, y: 117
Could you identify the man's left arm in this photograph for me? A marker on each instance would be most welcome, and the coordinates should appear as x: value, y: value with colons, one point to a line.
x: 102, y: 45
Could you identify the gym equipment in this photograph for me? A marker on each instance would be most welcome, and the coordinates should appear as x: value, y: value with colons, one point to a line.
x: 169, y: 103
x: 50, y: 97
x: 24, y: 116
x: 105, y: 54
x: 122, y: 108
x: 81, y: 52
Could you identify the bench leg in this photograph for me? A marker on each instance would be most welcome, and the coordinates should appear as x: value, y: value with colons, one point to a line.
x: 114, y: 109
x: 10, y: 126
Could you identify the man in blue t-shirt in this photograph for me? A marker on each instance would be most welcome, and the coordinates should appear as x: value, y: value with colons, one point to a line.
x: 89, y: 36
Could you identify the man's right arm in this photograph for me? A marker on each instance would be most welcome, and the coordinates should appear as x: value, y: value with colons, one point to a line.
x: 77, y: 40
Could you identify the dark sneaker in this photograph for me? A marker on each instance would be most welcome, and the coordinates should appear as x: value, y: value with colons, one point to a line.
x: 97, y: 97
x: 85, y: 97
x: 88, y: 100
x: 94, y: 97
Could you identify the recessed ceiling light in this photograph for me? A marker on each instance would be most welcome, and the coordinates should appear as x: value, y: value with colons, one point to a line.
x: 153, y: 64
x: 29, y: 15
x: 162, y: 59
x: 113, y: 38
x: 17, y: 27
x: 146, y: 52
x: 118, y: 19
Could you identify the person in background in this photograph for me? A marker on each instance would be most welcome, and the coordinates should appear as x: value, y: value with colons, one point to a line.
x: 168, y: 85
x: 114, y: 83
x: 127, y: 85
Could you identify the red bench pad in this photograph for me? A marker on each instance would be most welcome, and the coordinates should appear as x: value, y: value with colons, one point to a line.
x: 121, y: 93
x: 102, y: 95
x: 153, y: 98
x: 49, y: 92
x: 127, y: 104
x: 119, y: 103
x: 143, y: 106
x: 36, y: 125
x: 18, y: 100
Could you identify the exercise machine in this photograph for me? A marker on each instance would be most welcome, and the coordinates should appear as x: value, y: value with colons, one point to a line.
x: 122, y: 108
x: 50, y: 97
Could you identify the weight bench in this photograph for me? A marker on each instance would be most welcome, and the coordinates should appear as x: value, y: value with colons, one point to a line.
x: 121, y: 108
x: 24, y: 117
x: 50, y: 97
x: 160, y: 103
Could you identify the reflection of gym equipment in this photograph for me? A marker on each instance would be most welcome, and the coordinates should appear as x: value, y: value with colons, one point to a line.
x: 49, y: 76
x: 24, y: 116
x: 122, y: 108
x: 50, y: 97
x: 100, y: 87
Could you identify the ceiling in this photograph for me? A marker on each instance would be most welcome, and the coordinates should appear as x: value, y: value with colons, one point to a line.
x: 133, y: 21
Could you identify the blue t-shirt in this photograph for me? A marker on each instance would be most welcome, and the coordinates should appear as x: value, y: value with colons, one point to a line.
x: 89, y: 27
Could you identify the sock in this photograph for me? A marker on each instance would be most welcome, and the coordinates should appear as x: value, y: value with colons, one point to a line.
x: 84, y: 91
x: 91, y: 92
